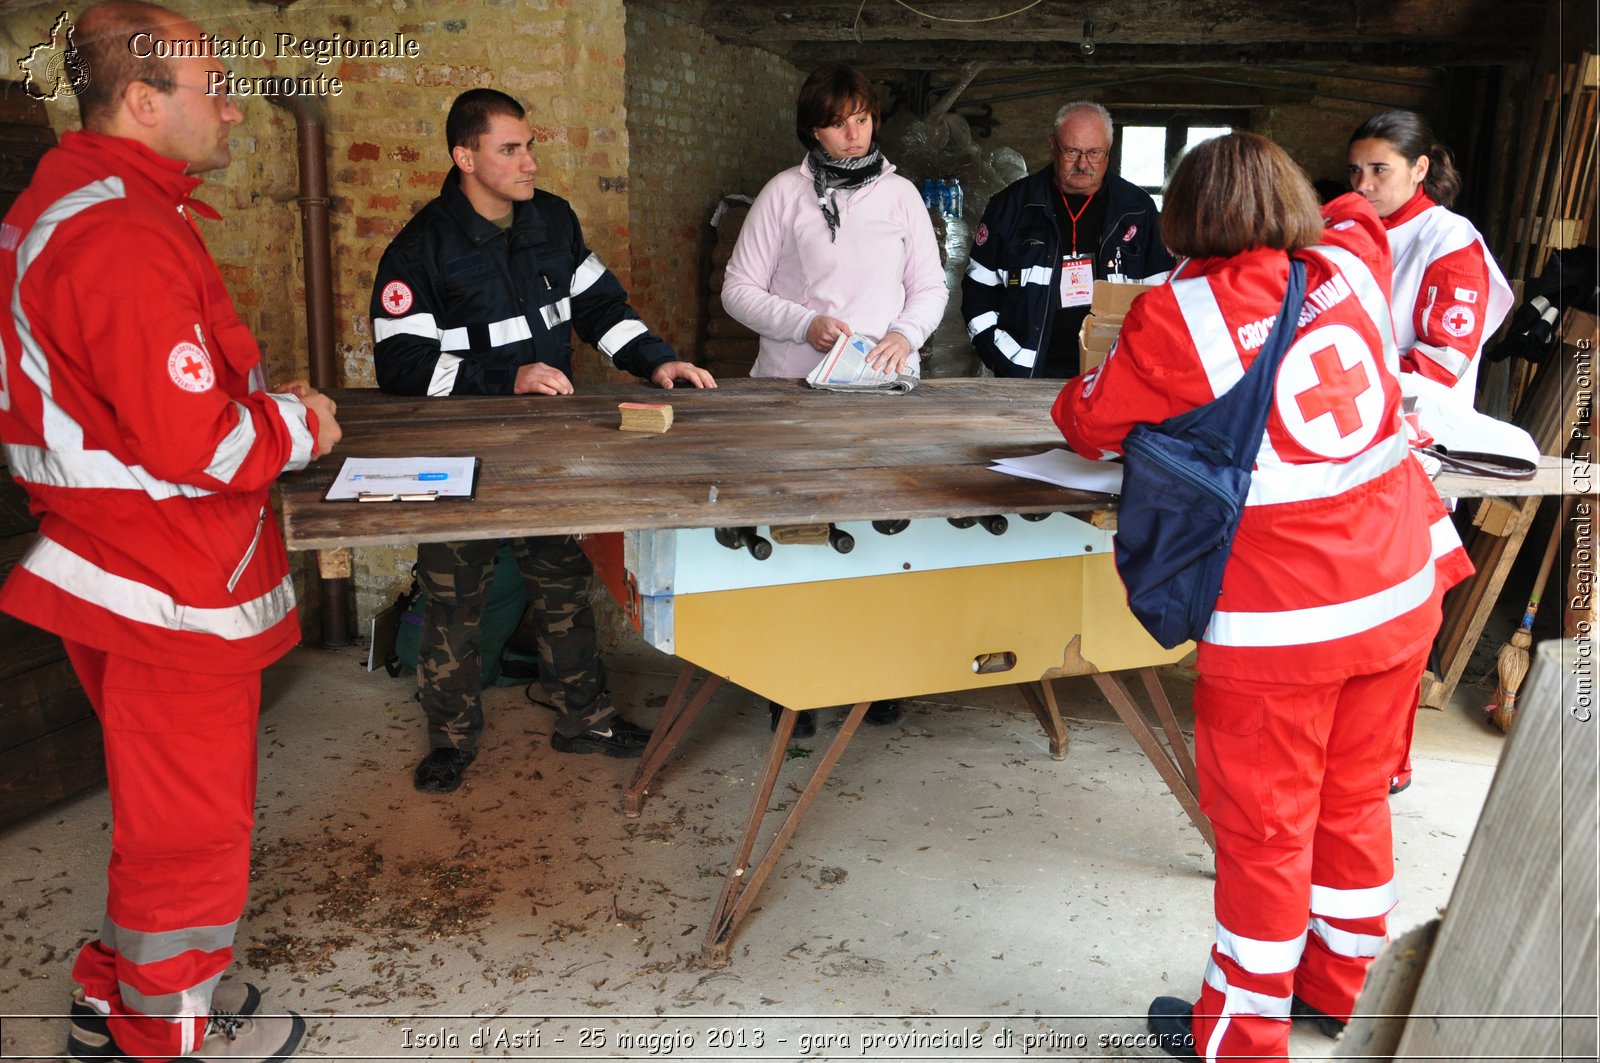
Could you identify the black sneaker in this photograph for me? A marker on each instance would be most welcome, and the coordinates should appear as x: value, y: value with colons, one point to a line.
x: 441, y: 770
x: 1326, y: 1024
x: 883, y: 713
x: 1172, y: 1021
x: 805, y: 724
x: 616, y: 737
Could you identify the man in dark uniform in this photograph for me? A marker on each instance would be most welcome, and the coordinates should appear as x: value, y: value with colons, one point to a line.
x: 1043, y: 243
x: 479, y: 295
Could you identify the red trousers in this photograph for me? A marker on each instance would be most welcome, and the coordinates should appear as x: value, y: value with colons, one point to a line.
x: 181, y: 763
x: 1295, y: 779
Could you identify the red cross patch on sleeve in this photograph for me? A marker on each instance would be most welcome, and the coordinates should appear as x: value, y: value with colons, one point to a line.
x: 396, y: 297
x: 190, y: 368
x: 983, y: 235
x: 1459, y: 320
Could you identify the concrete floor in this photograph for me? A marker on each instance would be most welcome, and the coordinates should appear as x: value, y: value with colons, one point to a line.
x: 952, y: 883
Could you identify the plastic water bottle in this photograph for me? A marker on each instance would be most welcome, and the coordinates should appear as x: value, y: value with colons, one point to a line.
x: 947, y: 199
x: 959, y: 203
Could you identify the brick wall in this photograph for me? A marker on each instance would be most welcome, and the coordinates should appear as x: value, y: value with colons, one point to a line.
x: 705, y: 120
x: 386, y: 156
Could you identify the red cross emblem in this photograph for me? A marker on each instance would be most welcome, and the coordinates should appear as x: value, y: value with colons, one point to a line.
x: 1335, y: 392
x: 190, y: 367
x: 396, y: 297
x: 1459, y: 320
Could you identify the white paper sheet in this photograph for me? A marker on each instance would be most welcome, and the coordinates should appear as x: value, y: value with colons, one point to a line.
x: 402, y: 479
x: 1065, y: 469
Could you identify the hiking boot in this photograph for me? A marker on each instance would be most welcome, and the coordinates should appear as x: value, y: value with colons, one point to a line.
x: 229, y: 1035
x: 1326, y: 1024
x: 805, y: 724
x: 883, y: 713
x: 1172, y: 1021
x: 1398, y: 783
x: 441, y: 770
x: 615, y: 737
x: 89, y: 1029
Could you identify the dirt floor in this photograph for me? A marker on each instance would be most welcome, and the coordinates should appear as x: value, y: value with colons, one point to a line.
x: 954, y: 893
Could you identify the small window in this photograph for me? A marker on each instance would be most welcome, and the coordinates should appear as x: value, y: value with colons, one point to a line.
x: 1149, y: 148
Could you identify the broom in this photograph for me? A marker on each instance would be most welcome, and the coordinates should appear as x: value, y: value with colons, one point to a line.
x: 1512, y: 660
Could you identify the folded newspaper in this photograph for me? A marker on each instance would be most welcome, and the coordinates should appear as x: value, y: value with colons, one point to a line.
x: 845, y: 368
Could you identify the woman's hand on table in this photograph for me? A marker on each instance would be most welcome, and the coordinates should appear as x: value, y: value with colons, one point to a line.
x: 891, y: 354
x: 824, y: 332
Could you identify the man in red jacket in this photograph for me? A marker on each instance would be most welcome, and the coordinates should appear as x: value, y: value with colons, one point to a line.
x: 134, y: 413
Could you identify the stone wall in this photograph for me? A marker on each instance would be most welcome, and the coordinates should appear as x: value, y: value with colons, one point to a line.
x: 705, y: 120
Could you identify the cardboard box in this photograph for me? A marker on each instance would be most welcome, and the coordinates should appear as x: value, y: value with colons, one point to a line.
x: 1111, y: 302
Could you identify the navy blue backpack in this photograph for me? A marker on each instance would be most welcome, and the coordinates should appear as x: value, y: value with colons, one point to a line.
x: 1184, y: 483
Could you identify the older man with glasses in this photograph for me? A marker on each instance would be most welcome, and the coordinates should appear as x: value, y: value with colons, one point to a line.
x: 1043, y: 243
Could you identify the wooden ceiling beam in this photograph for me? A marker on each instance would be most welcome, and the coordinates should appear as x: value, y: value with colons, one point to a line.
x: 1146, y: 23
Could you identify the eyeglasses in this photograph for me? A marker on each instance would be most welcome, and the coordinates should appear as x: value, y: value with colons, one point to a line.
x: 1074, y: 154
x: 167, y: 86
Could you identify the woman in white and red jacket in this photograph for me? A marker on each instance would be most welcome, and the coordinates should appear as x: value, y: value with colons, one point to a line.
x: 1310, y: 664
x: 1448, y: 295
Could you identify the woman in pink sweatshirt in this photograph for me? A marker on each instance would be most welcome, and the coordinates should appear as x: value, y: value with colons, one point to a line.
x: 837, y: 245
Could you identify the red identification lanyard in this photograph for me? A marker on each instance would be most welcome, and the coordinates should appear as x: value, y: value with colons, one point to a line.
x: 1076, y: 216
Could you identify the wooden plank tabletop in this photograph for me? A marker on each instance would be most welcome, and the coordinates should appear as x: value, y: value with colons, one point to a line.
x: 747, y: 452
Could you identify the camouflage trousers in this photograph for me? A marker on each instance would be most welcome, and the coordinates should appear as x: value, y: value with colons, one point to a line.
x: 449, y: 669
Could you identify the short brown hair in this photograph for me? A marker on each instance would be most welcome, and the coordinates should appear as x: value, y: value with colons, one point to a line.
x: 470, y: 113
x: 1235, y: 192
x: 832, y: 93
x: 103, y: 37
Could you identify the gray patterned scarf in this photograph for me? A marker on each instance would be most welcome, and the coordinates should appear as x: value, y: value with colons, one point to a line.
x: 829, y: 174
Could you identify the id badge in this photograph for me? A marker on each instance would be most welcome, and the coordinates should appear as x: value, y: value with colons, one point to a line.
x: 1077, y: 281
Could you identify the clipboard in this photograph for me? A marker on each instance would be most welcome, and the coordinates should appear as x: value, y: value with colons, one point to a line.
x: 417, y: 479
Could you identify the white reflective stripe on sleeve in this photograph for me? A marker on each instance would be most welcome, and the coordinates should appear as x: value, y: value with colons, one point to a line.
x: 509, y: 330
x: 1354, y: 904
x: 1258, y: 956
x: 619, y: 336
x: 135, y: 601
x: 990, y: 278
x: 557, y: 312
x: 1013, y: 351
x: 981, y: 322
x: 421, y: 325
x: 454, y: 339
x: 234, y: 447
x: 1345, y: 943
x: 443, y: 381
x: 1037, y: 275
x: 1448, y: 359
x: 1276, y: 482
x: 293, y: 414
x: 589, y: 270
x: 1374, y: 300
x: 1212, y: 341
x: 90, y: 468
x: 1321, y: 623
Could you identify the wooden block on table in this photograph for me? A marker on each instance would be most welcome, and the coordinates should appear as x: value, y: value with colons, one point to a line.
x: 645, y: 416
x: 800, y: 534
x: 1495, y: 516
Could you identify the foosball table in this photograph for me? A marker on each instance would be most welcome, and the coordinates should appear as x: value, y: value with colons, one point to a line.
x: 791, y: 542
